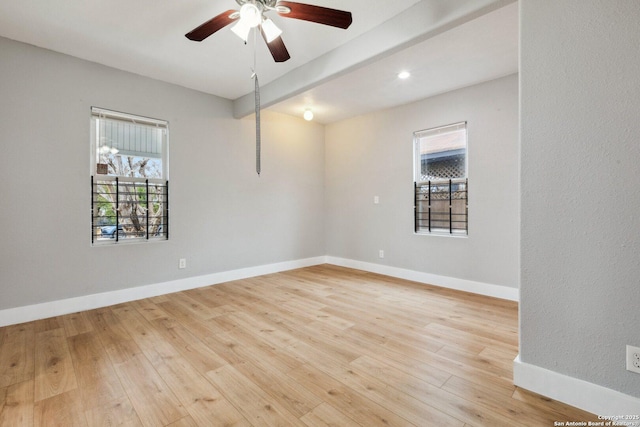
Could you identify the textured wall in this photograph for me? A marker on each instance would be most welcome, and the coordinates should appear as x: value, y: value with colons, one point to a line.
x: 372, y: 155
x: 580, y: 162
x: 223, y: 216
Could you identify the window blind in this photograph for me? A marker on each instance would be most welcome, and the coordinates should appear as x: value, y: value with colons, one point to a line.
x: 129, y: 135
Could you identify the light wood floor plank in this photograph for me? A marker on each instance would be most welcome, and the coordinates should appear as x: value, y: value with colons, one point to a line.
x: 187, y: 421
x: 348, y: 401
x: 97, y: 379
x: 325, y: 415
x: 76, y: 323
x: 391, y: 393
x: 16, y: 404
x: 235, y: 348
x: 54, y: 372
x: 17, y: 361
x: 114, y: 413
x: 210, y: 297
x: 545, y: 405
x: 63, y: 409
x: 44, y: 325
x: 116, y: 341
x: 186, y: 382
x: 196, y: 309
x: 318, y: 346
x: 253, y: 402
x: 153, y: 401
x: 293, y: 397
x: 487, y: 397
x: 465, y: 410
x: 183, y: 312
x: 220, y: 412
x: 149, y: 310
x: 201, y: 398
x: 138, y: 328
x: 188, y: 345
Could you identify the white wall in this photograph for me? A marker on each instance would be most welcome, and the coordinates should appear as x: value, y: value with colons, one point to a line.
x: 580, y: 94
x: 373, y: 155
x: 223, y: 216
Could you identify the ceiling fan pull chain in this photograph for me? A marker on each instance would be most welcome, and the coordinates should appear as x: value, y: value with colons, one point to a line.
x: 257, y: 89
x: 257, y: 99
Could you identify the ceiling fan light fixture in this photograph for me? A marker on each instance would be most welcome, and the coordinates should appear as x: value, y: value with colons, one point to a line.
x: 251, y: 15
x: 241, y: 29
x: 271, y: 30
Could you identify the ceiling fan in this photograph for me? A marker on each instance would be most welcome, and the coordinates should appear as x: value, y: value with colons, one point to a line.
x: 252, y: 15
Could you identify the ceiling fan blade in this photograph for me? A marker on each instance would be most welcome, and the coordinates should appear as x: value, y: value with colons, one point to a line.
x: 277, y: 48
x: 318, y: 14
x: 211, y: 26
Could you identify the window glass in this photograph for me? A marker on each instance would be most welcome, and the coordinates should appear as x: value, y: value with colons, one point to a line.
x: 440, y: 180
x: 441, y: 153
x: 130, y: 190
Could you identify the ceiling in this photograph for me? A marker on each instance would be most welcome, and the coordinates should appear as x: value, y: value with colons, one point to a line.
x: 337, y: 73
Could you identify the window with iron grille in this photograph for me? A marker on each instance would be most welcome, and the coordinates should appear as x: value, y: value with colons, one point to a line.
x: 440, y: 180
x: 129, y: 178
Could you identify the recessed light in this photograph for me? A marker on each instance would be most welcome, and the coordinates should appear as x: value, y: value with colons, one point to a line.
x: 404, y: 75
x: 308, y: 114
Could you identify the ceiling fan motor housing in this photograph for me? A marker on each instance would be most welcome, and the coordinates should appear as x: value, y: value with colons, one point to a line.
x: 266, y: 5
x: 251, y: 14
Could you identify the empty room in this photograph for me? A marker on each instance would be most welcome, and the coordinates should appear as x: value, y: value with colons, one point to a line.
x: 329, y: 213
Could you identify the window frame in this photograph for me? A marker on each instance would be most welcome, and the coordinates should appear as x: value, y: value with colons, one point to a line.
x: 456, y: 187
x: 137, y: 182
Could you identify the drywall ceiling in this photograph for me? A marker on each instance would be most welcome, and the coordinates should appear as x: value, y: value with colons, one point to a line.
x: 329, y: 68
x: 479, y: 50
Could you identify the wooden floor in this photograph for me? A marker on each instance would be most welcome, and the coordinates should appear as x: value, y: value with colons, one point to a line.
x: 312, y: 347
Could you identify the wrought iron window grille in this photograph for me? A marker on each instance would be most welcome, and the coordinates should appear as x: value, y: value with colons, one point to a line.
x: 129, y: 210
x: 441, y: 206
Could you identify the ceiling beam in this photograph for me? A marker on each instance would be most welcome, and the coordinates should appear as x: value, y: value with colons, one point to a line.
x: 422, y: 21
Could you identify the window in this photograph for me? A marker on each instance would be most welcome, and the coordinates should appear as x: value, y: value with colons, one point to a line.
x: 440, y: 180
x: 129, y: 178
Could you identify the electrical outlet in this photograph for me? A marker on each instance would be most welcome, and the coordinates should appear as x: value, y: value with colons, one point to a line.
x: 633, y: 359
x: 182, y: 263
x: 381, y: 253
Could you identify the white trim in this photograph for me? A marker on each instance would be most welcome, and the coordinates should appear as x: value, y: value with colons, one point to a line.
x: 572, y: 391
x: 102, y: 113
x: 28, y: 313
x: 503, y: 292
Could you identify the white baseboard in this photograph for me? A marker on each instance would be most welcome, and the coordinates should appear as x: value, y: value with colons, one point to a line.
x: 572, y: 391
x: 503, y: 292
x: 28, y: 313
x: 44, y: 310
